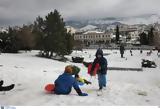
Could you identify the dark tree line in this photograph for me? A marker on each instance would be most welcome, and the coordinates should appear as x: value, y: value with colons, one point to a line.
x: 46, y: 34
x: 147, y: 38
x: 9, y: 42
x: 17, y: 39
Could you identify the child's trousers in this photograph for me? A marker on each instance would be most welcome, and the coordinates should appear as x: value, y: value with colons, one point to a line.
x: 102, y: 81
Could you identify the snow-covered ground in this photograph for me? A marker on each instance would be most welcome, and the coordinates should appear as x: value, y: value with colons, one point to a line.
x: 30, y: 74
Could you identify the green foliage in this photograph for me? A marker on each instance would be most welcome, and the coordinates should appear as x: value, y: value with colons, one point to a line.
x: 46, y: 34
x: 117, y: 34
x: 9, y: 41
x: 150, y: 36
x: 38, y: 31
x: 70, y: 42
x: 143, y: 39
x: 147, y: 39
x: 52, y: 36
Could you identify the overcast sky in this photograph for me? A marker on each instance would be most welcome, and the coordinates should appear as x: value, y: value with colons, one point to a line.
x: 15, y: 12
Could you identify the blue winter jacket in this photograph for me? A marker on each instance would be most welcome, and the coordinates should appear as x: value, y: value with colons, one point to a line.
x: 64, y: 84
x: 102, y: 62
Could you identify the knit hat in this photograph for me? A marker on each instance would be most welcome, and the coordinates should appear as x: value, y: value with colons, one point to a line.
x: 75, y: 69
x: 99, y: 52
x: 68, y: 69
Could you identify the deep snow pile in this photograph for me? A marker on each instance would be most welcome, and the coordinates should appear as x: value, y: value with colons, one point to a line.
x: 31, y: 73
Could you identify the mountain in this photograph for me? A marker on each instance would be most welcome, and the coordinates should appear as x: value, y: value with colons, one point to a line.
x: 88, y: 27
x: 76, y: 24
x: 142, y: 19
x: 104, y: 22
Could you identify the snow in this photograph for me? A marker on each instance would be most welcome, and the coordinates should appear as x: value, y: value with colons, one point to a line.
x: 88, y: 27
x: 130, y: 20
x: 93, y: 32
x: 30, y: 74
x: 149, y: 20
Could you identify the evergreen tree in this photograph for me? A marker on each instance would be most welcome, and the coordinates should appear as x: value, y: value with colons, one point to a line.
x: 53, y: 35
x: 70, y: 42
x: 10, y: 42
x: 143, y: 39
x: 117, y: 34
x: 3, y: 38
x: 38, y: 31
x: 150, y: 36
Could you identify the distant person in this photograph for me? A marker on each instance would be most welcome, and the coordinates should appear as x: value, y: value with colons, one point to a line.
x: 122, y: 50
x: 102, y: 71
x: 158, y: 52
x: 131, y: 52
x: 149, y: 53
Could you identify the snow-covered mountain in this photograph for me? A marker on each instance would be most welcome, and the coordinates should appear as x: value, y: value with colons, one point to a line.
x: 88, y: 27
x: 141, y: 19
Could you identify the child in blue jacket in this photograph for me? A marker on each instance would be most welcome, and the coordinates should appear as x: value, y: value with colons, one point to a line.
x: 65, y: 82
x: 102, y: 71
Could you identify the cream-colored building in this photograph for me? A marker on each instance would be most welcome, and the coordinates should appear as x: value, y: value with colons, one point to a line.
x: 134, y: 34
x: 93, y: 37
x: 71, y: 29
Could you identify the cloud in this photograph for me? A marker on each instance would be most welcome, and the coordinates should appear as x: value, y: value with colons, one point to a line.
x: 15, y: 12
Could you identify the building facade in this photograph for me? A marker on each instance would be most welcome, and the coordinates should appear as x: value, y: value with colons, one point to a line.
x: 93, y: 37
x: 71, y: 29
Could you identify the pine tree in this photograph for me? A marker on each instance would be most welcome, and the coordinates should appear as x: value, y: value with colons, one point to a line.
x: 143, y: 39
x: 38, y: 31
x: 117, y: 34
x: 11, y: 42
x: 70, y: 42
x: 150, y: 36
x: 53, y: 35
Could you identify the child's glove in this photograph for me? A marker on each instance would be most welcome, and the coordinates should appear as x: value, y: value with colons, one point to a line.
x: 83, y: 94
x: 87, y: 82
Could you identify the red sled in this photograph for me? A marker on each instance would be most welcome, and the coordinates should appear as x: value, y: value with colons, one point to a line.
x: 94, y: 71
x: 49, y: 88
